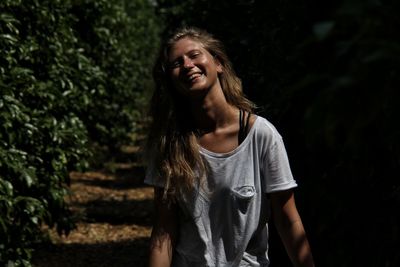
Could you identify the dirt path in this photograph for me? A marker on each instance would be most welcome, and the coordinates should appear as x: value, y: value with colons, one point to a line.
x: 114, y: 221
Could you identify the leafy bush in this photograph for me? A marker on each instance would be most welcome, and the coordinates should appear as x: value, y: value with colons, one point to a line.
x: 120, y: 38
x: 71, y: 73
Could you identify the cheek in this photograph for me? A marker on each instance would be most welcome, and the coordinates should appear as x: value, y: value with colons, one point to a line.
x: 173, y: 72
x: 204, y: 62
x: 211, y: 65
x: 176, y: 81
x: 174, y: 76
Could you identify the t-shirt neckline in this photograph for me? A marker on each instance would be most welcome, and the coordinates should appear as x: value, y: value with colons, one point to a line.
x: 235, y: 150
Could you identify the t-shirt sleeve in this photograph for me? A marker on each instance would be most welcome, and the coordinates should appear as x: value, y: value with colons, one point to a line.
x: 276, y: 169
x: 152, y: 176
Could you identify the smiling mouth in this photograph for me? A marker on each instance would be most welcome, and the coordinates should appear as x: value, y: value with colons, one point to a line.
x: 194, y: 76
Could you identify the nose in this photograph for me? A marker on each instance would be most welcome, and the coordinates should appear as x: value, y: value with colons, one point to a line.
x: 187, y: 63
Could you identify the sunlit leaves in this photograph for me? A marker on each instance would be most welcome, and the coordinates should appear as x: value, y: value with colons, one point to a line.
x: 70, y: 71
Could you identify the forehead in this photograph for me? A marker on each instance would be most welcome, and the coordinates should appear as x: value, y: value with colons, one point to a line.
x: 184, y: 46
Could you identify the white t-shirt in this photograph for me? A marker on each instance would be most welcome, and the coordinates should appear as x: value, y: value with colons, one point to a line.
x: 225, y: 221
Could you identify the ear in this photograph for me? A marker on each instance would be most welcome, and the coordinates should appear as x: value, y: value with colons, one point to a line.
x: 219, y: 69
x: 219, y: 65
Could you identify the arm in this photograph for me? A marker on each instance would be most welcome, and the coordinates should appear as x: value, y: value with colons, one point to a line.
x: 164, y: 232
x: 290, y: 228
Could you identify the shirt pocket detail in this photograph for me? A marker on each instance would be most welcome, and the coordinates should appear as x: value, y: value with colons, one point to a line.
x: 242, y: 197
x: 244, y: 192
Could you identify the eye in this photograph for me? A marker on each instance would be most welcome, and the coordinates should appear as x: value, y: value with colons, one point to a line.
x: 175, y: 64
x: 194, y: 54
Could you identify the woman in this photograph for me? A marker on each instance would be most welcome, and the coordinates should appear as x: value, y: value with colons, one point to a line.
x: 220, y: 173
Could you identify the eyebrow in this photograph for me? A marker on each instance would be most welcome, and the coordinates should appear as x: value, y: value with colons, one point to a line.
x: 187, y: 53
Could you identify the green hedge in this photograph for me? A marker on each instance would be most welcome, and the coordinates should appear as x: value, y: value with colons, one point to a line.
x: 72, y: 73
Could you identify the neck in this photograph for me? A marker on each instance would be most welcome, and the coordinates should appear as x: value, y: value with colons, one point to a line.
x: 212, y: 111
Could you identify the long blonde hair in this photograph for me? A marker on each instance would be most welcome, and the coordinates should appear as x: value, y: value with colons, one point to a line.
x: 172, y: 141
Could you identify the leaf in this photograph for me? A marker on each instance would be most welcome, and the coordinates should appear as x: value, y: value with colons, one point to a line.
x: 10, y: 99
x: 29, y: 176
x: 9, y: 38
x: 35, y: 220
x: 323, y: 29
x: 3, y: 227
x: 7, y: 187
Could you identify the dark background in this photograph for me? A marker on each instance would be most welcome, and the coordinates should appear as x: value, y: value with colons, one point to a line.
x: 326, y: 73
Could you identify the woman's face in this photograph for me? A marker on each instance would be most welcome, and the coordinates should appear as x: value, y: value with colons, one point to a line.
x: 192, y: 68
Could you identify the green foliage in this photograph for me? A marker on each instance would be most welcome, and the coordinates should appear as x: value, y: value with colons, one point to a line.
x: 40, y: 136
x: 71, y: 73
x: 119, y: 37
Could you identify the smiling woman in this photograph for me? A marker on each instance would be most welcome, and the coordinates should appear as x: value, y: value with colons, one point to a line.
x: 193, y: 67
x: 216, y: 168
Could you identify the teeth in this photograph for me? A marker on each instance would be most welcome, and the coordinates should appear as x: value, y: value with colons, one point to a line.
x: 193, y: 76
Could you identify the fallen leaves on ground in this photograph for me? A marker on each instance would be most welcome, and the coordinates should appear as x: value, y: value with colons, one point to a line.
x: 114, y: 211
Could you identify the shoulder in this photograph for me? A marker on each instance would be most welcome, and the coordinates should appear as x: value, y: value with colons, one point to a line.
x: 265, y: 131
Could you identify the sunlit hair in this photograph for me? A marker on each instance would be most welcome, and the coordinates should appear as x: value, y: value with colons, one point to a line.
x: 172, y: 141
